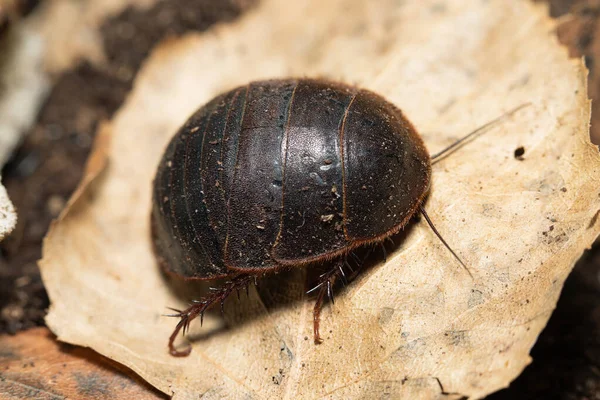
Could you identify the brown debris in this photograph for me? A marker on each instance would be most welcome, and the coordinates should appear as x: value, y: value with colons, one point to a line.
x: 33, y: 364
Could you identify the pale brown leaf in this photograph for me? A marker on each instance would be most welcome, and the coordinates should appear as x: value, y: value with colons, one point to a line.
x: 416, y: 327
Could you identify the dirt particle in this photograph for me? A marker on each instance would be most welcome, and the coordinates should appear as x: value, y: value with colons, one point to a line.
x: 519, y: 152
x: 326, y: 218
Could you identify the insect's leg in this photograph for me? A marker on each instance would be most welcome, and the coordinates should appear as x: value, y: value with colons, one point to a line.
x: 359, y: 263
x: 199, y: 307
x: 382, y: 244
x: 325, y: 286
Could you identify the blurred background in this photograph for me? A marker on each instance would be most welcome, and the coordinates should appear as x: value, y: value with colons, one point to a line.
x: 53, y: 96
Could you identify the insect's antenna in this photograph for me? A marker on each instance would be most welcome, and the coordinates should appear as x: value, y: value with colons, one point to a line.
x: 422, y: 211
x: 462, y: 141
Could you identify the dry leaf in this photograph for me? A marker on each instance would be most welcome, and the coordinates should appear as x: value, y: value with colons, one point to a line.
x: 34, y: 365
x: 416, y: 327
x: 8, y: 216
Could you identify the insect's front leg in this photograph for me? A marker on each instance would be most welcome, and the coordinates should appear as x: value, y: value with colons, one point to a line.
x: 198, y: 307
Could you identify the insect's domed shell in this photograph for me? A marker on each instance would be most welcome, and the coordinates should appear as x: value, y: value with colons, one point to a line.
x: 387, y: 168
x: 284, y: 172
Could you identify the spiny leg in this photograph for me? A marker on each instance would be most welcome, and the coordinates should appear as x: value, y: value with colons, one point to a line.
x: 325, y: 286
x: 326, y: 282
x: 382, y: 244
x: 199, y: 307
x: 359, y: 263
x: 357, y: 260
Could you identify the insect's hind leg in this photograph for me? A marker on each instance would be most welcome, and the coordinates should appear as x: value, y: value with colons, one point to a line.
x: 325, y: 287
x: 199, y: 307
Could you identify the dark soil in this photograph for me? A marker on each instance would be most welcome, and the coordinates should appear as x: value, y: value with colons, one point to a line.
x: 12, y: 11
x: 47, y: 167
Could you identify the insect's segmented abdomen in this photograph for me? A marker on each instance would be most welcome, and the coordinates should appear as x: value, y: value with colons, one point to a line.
x: 386, y: 165
x: 191, y: 189
x: 313, y: 211
x: 256, y: 189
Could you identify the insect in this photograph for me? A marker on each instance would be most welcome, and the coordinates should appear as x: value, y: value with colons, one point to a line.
x: 284, y: 174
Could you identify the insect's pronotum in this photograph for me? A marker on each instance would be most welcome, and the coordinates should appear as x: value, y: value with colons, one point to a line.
x: 285, y: 173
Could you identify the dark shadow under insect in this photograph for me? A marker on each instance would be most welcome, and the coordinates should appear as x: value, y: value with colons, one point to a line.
x: 284, y: 174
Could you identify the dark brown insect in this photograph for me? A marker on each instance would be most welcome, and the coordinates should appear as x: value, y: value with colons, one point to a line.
x: 284, y: 173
